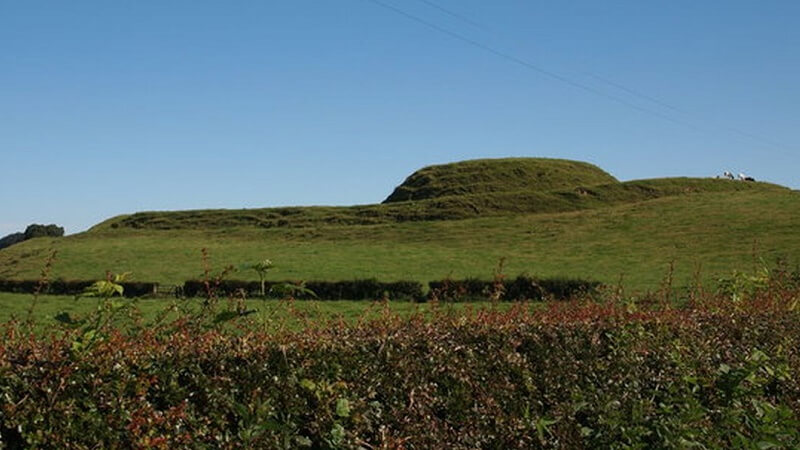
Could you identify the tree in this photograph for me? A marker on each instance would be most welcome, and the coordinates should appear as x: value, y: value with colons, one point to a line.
x: 11, y: 239
x: 35, y: 230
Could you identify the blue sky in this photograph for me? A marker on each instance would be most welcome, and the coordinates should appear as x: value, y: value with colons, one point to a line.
x: 111, y: 107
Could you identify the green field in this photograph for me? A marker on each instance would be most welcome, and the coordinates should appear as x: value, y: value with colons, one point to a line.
x: 719, y: 232
x: 609, y: 232
x: 271, y: 313
x: 720, y: 367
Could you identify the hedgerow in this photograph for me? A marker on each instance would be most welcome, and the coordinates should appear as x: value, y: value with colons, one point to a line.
x: 364, y: 289
x: 73, y: 287
x: 718, y: 372
x: 470, y: 289
x: 520, y: 288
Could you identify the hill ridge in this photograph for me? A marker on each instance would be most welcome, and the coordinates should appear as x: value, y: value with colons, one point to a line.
x: 455, y: 207
x: 557, y: 227
x: 480, y: 176
x: 454, y: 191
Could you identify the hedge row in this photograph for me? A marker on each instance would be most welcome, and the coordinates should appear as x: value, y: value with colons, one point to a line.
x: 367, y: 289
x: 569, y: 376
x: 74, y: 287
x: 519, y: 288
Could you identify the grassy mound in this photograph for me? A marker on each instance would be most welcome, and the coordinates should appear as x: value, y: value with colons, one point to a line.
x: 452, y: 207
x: 483, y: 176
x: 462, y: 190
x: 568, y: 220
x: 714, y: 232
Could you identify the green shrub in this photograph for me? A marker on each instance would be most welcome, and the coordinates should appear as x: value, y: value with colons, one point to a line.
x: 32, y: 231
x: 11, y: 239
x: 36, y: 230
x: 712, y: 374
x: 367, y: 289
x: 74, y: 287
x: 519, y: 288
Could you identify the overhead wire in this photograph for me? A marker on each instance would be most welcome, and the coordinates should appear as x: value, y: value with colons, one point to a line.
x: 528, y: 65
x: 453, y: 14
x: 595, y: 76
x: 632, y: 92
x: 563, y: 79
x: 599, y: 78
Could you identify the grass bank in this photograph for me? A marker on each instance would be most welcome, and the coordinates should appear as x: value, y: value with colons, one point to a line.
x: 710, y: 234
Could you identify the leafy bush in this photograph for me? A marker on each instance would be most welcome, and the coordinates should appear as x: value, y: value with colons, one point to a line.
x: 713, y: 374
x: 262, y: 268
x: 198, y: 288
x: 33, y: 231
x: 368, y: 289
x: 36, y: 230
x: 74, y: 287
x: 11, y: 239
x: 716, y: 372
x: 519, y: 288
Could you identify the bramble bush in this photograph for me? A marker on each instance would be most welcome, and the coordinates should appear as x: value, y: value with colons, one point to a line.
x: 711, y: 373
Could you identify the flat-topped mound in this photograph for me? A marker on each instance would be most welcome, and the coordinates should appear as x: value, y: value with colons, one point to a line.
x: 635, y: 229
x: 450, y: 207
x: 548, y: 217
x: 483, y: 176
x: 462, y: 190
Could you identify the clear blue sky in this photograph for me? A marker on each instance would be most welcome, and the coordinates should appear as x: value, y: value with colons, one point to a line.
x: 111, y: 107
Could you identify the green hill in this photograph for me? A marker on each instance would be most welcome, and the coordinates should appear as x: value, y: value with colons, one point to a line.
x: 606, y: 231
x: 484, y: 176
x: 457, y: 191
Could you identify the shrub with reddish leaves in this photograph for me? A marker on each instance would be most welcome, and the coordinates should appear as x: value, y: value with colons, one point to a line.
x: 712, y: 374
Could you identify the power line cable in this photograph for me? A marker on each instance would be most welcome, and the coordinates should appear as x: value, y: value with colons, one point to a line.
x: 453, y: 14
x: 531, y: 66
x: 605, y: 80
x: 714, y: 126
x: 718, y: 127
x: 575, y: 84
x: 630, y: 91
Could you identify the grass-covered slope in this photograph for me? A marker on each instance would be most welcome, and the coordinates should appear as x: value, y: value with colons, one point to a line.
x: 484, y: 176
x: 452, y: 207
x: 546, y: 217
x: 444, y: 192
x: 713, y: 231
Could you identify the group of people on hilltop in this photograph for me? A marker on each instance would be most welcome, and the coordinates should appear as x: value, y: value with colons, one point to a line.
x: 742, y: 177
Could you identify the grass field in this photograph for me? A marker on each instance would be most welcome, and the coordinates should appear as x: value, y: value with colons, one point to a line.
x: 715, y: 232
x: 469, y: 205
x: 293, y: 315
x: 720, y: 364
x: 543, y: 217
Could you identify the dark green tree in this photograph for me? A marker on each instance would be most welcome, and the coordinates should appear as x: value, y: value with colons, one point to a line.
x: 11, y: 239
x: 36, y: 230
